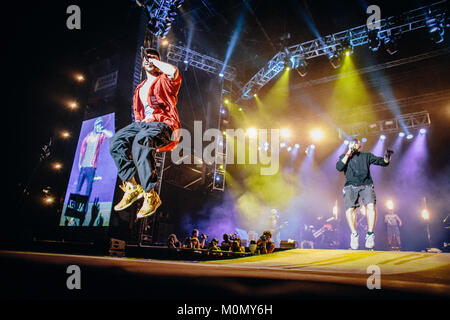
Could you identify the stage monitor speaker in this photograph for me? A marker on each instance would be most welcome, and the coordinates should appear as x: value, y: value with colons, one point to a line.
x: 288, y: 244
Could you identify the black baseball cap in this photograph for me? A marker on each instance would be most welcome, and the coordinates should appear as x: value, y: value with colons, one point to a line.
x: 148, y: 51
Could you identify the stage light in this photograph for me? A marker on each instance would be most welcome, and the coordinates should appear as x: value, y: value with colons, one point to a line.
x: 374, y: 40
x: 301, y: 66
x: 401, y: 134
x: 382, y: 137
x: 289, y: 148
x: 222, y: 111
x: 423, y: 131
x: 164, y: 42
x: 57, y: 165
x: 221, y: 75
x: 73, y: 105
x: 79, y: 77
x: 226, y: 101
x: 312, y: 146
x: 316, y: 135
x: 287, y: 69
x: 390, y: 205
x: 255, y: 95
x: 252, y: 132
x: 240, y: 109
x: 297, y: 146
x: 425, y: 214
x: 436, y: 30
x: 282, y: 144
x: 285, y: 133
x: 65, y: 134
x: 346, y: 142
x: 185, y: 62
x: 49, y: 200
x: 391, y: 45
x: 409, y: 136
x: 364, y: 140
x: 335, y: 59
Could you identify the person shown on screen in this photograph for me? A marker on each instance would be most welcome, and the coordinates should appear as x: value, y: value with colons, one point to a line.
x: 134, y: 147
x: 88, y: 160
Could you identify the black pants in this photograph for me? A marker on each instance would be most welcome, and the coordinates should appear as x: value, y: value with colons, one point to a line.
x: 86, y: 174
x: 140, y: 140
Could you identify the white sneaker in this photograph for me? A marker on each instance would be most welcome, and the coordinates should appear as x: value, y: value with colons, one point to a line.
x: 354, y: 241
x: 370, y: 241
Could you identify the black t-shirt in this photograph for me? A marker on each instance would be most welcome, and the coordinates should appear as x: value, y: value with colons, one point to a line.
x: 357, y: 168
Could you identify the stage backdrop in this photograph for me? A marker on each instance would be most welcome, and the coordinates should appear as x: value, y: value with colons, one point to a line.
x: 93, y: 177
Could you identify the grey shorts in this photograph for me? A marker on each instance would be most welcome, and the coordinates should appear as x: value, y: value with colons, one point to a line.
x: 352, y: 194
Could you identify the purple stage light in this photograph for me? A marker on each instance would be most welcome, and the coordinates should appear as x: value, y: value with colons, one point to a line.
x: 346, y: 142
x: 422, y: 131
x: 382, y: 137
x: 409, y: 136
x: 401, y: 134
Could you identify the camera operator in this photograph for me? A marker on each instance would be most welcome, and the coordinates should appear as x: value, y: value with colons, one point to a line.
x: 195, y: 242
x: 264, y: 243
x: 172, y: 242
x: 226, y: 243
x: 213, y: 247
x: 236, y: 244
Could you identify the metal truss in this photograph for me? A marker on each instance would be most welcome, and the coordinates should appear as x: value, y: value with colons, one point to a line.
x: 398, y: 124
x: 220, y: 163
x: 203, y: 62
x: 358, y: 36
x: 147, y: 224
x: 374, y: 68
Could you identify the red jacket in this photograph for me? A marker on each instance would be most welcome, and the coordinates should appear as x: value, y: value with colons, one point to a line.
x: 100, y: 140
x: 165, y: 90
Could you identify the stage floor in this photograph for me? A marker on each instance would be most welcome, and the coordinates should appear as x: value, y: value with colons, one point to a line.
x: 296, y: 273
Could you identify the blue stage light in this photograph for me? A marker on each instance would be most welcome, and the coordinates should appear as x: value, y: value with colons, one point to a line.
x: 364, y: 140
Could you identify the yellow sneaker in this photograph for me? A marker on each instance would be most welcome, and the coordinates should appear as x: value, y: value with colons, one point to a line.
x: 130, y: 196
x: 151, y: 203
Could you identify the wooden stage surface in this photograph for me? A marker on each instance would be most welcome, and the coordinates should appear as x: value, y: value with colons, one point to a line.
x: 296, y: 273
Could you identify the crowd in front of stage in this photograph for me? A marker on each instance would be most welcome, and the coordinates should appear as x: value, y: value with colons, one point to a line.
x: 231, y: 244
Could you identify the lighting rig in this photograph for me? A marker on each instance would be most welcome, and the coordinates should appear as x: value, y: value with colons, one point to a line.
x: 160, y: 14
x: 432, y: 17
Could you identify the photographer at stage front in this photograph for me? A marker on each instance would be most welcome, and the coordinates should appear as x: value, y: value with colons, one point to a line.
x: 359, y: 184
x: 264, y: 243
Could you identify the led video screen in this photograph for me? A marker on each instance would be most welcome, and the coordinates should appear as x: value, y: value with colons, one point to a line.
x: 90, y: 191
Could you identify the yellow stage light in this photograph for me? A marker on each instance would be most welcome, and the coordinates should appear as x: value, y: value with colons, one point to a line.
x: 285, y: 133
x: 316, y: 134
x: 252, y: 132
x: 390, y: 205
x: 65, y: 134
x: 57, y: 165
